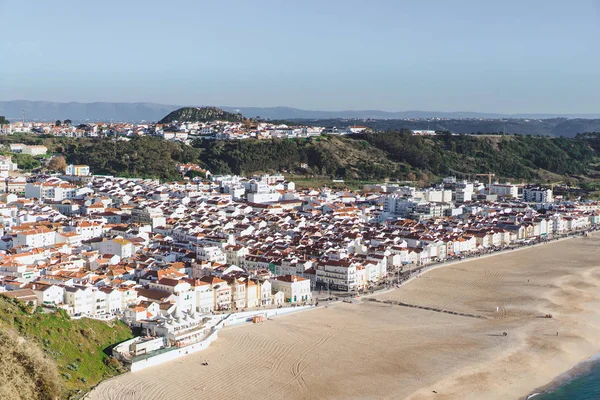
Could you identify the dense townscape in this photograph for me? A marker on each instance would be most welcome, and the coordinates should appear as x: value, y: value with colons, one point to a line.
x: 161, y: 255
x: 176, y: 259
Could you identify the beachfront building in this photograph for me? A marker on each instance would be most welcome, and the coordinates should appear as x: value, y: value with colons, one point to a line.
x: 221, y: 292
x: 185, y: 297
x: 180, y: 328
x: 265, y: 290
x: 205, y: 298
x: 238, y: 293
x: 252, y: 294
x: 336, y: 275
x: 294, y: 288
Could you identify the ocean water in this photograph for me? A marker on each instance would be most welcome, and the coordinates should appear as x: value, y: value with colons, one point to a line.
x: 583, y: 383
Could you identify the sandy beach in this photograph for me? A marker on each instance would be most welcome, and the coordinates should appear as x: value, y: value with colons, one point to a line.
x: 374, y: 350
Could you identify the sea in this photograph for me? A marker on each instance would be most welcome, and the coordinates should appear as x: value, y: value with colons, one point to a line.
x: 581, y: 383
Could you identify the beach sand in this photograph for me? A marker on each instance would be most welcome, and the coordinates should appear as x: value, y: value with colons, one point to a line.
x: 373, y: 350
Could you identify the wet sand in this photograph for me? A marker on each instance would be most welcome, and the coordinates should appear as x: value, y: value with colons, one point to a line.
x: 373, y: 350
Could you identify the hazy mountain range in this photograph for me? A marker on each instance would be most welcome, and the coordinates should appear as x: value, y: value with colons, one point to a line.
x: 135, y: 112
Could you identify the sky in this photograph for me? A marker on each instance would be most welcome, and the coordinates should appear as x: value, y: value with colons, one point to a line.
x: 509, y: 56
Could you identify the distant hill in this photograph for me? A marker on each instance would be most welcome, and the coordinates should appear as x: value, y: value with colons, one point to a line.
x: 547, y: 127
x: 201, y: 114
x: 571, y: 127
x: 295, y: 113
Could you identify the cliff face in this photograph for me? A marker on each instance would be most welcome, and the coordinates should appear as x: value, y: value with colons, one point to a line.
x: 47, y: 355
x: 26, y: 372
x: 201, y: 114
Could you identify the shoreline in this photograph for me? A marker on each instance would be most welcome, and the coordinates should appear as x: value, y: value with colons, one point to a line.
x: 574, y: 372
x: 411, y: 353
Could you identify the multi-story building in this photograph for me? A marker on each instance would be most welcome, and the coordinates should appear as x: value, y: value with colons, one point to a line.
x: 337, y: 275
x: 148, y: 215
x: 37, y: 238
x: 505, y: 190
x: 536, y: 194
x: 295, y: 288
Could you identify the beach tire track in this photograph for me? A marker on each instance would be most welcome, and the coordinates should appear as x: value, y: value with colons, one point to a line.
x: 297, y: 369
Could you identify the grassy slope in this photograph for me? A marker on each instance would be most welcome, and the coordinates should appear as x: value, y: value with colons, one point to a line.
x: 77, y: 346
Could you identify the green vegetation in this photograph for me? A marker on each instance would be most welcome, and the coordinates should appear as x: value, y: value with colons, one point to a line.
x: 194, y: 174
x: 145, y: 157
x: 399, y: 155
x: 26, y: 161
x: 78, y: 347
x: 358, y: 158
x: 518, y: 157
x: 201, y: 114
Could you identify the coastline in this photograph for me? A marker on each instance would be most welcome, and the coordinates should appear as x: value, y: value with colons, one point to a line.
x: 412, y: 353
x: 574, y: 362
x: 575, y: 372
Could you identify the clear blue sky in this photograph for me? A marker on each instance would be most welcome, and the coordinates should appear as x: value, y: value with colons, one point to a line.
x: 506, y: 56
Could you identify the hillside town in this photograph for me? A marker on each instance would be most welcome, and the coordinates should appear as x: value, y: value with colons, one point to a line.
x: 181, y: 131
x: 151, y: 253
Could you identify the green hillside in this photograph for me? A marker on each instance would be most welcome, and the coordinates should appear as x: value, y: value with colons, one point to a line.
x: 201, y: 114
x: 75, y: 350
x: 366, y: 157
x: 399, y: 155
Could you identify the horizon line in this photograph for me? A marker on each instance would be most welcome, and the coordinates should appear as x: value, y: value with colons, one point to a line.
x: 499, y: 114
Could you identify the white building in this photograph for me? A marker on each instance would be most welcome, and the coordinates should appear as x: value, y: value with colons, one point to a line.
x: 118, y: 246
x: 34, y: 150
x: 77, y: 170
x: 337, y: 275
x: 536, y: 194
x: 6, y: 166
x: 48, y: 294
x: 463, y: 192
x: 263, y: 197
x: 38, y: 238
x: 295, y: 289
x: 505, y: 190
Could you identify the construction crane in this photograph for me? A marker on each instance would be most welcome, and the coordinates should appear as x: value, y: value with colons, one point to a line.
x: 489, y: 175
x: 554, y: 183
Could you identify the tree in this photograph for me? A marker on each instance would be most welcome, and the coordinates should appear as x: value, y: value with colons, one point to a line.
x: 57, y: 163
x: 25, y: 161
x: 67, y: 122
x: 3, y: 121
x: 193, y: 174
x: 57, y: 123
